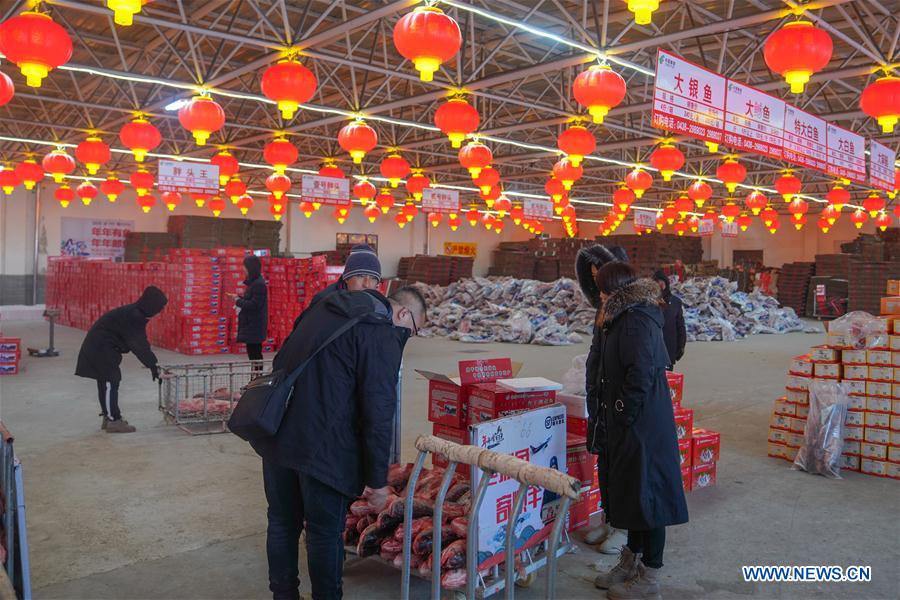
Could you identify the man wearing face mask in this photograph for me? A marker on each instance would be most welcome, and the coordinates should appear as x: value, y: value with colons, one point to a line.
x: 334, y: 441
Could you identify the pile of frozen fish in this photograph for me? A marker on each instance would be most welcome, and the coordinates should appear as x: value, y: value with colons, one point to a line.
x: 715, y: 310
x: 506, y: 309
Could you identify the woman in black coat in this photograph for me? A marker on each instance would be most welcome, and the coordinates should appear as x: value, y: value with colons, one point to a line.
x: 674, y: 332
x: 254, y: 304
x: 632, y: 429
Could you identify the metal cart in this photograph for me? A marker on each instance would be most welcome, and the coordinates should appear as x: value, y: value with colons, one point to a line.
x: 17, y: 567
x: 199, y: 398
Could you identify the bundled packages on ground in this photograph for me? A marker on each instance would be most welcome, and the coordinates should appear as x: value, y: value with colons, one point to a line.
x: 10, y: 354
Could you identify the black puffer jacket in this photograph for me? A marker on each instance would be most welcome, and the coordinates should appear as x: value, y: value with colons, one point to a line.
x: 118, y: 332
x: 674, y: 332
x: 254, y: 304
x: 632, y: 426
x: 338, y: 425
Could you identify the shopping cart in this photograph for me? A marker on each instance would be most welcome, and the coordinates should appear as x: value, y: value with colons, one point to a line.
x: 199, y: 398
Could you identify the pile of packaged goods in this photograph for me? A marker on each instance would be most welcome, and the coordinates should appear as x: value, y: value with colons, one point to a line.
x: 863, y: 353
x: 10, y: 354
x: 200, y: 318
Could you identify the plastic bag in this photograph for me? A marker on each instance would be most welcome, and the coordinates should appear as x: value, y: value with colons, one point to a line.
x: 855, y: 326
x: 574, y: 379
x: 824, y: 435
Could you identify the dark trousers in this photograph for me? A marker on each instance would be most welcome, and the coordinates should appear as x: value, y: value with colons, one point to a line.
x: 254, y: 351
x: 297, y: 500
x: 649, y: 544
x: 108, y: 393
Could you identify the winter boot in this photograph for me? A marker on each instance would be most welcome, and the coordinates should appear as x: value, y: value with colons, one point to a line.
x: 597, y: 534
x: 614, y: 541
x: 104, y: 422
x: 622, y: 572
x: 119, y: 426
x: 645, y: 586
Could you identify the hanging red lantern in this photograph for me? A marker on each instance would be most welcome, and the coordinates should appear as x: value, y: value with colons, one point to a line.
x: 744, y: 221
x: 371, y: 213
x: 329, y: 169
x: 244, y: 204
x: 202, y: 116
x: 279, y: 185
x: 435, y: 219
x: 281, y: 154
x: 228, y: 164
x: 488, y: 222
x: 639, y: 181
x: 112, y: 188
x: 385, y: 200
x: 882, y: 221
x: 796, y: 51
x: 36, y: 44
x: 684, y: 205
x: 599, y: 88
x: 58, y: 164
x: 788, y: 185
x: 428, y: 38
x: 732, y: 173
x: 798, y: 207
x: 472, y: 216
x: 577, y: 142
x: 699, y: 192
x: 873, y: 204
x: 171, y: 200
x: 710, y: 214
x: 517, y: 213
x: 87, y: 192
x: 140, y: 136
x: 7, y: 89
x: 694, y: 224
x: 670, y: 214
x: 798, y: 221
x: 410, y: 211
x: 453, y: 222
x: 823, y: 224
x: 881, y: 101
x: 235, y: 188
x: 357, y: 139
x: 492, y: 196
x: 502, y: 206
x: 487, y: 179
x: 365, y: 191
x: 773, y: 225
x: 200, y: 199
x: 893, y: 194
x: 567, y: 173
x: 124, y: 10
x: 731, y: 211
x: 768, y: 216
x: 394, y: 168
x: 498, y: 226
x: 830, y: 214
x: 146, y: 202
x: 456, y: 119
x: 93, y: 153
x: 306, y: 208
x: 276, y: 210
x: 142, y: 182
x: 475, y: 156
x: 623, y: 197
x: 64, y: 195
x: 417, y: 183
x: 837, y: 197
x: 216, y: 205
x: 667, y: 159
x: 289, y: 84
x: 568, y: 213
x: 400, y: 220
x: 29, y: 173
x: 681, y: 228
x: 756, y: 201
x: 8, y: 180
x: 555, y: 189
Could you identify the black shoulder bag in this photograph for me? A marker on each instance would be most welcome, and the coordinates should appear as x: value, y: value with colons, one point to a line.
x: 264, y: 402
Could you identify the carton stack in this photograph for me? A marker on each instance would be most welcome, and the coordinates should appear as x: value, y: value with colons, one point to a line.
x: 793, y: 284
x: 513, y: 259
x: 10, y: 354
x: 435, y: 270
x: 867, y: 284
x: 142, y: 246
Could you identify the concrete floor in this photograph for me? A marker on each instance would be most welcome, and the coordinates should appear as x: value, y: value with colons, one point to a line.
x: 161, y: 514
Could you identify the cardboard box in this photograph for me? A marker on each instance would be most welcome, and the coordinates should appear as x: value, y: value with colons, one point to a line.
x: 890, y: 305
x: 684, y: 452
x: 895, y: 325
x: 795, y: 439
x: 881, y: 373
x: 581, y: 464
x: 879, y: 357
x: 703, y: 476
x: 851, y: 463
x: 838, y: 340
x: 893, y: 470
x: 877, y: 419
x: 827, y: 370
x: 895, y: 438
x: 895, y: 404
x: 797, y: 397
x: 454, y: 434
x: 686, y: 478
x: 854, y: 433
x: 676, y: 387
x: 798, y: 425
x: 802, y: 411
x: 783, y: 407
x: 895, y: 422
x: 853, y: 357
x: 684, y: 423
x: 9, y: 369
x: 878, y: 388
x: 776, y: 450
x: 852, y: 447
x: 580, y: 512
x: 874, y: 467
x: 706, y: 446
x: 893, y: 287
x: 855, y: 417
x: 895, y: 360
x: 801, y: 365
x: 894, y: 342
x: 576, y: 413
x: 797, y: 382
x: 873, y: 451
x: 448, y: 398
x: 875, y: 435
x: 10, y: 344
x: 779, y: 436
x: 878, y: 404
x: 860, y: 372
x: 894, y: 454
x: 855, y: 402
x: 823, y: 354
x: 489, y: 401
x: 855, y: 387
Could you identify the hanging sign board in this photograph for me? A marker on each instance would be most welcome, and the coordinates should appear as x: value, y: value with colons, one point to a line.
x: 645, y: 218
x: 846, y: 154
x: 688, y: 99
x: 881, y: 166
x: 325, y: 190
x: 706, y: 227
x: 187, y: 177
x: 537, y: 436
x: 537, y: 209
x: 440, y: 200
x: 460, y: 249
x: 804, y: 139
x: 754, y: 121
x: 729, y: 230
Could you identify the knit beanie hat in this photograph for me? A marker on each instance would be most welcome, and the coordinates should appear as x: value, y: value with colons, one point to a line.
x: 362, y: 262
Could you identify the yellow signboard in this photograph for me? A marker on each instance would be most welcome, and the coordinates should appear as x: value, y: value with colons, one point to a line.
x: 460, y: 249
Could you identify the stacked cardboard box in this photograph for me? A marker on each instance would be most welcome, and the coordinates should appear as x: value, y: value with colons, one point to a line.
x: 793, y: 285
x: 834, y: 265
x: 10, y: 354
x: 867, y: 283
x: 435, y: 270
x: 649, y: 252
x: 262, y: 234
x: 882, y: 246
x: 143, y: 246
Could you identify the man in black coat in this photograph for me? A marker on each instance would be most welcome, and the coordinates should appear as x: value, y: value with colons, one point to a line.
x: 253, y: 319
x: 335, y: 439
x: 118, y: 332
x: 674, y: 332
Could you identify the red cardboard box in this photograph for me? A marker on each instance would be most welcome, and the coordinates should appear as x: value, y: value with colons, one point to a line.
x: 684, y: 423
x: 9, y: 344
x: 490, y: 401
x: 453, y: 434
x: 576, y: 413
x: 581, y: 465
x: 686, y: 478
x: 703, y: 476
x: 684, y: 450
x: 448, y: 398
x: 676, y: 386
x: 581, y: 511
x: 706, y: 447
x: 9, y: 369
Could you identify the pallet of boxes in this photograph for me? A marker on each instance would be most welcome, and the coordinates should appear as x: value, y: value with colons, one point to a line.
x: 871, y: 375
x: 10, y: 355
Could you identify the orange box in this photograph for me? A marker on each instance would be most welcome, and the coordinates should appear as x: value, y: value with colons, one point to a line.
x: 890, y: 305
x: 676, y: 387
x: 703, y: 476
x: 706, y: 447
x: 893, y: 287
x: 684, y: 423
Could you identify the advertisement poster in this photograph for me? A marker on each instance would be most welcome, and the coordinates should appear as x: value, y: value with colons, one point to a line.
x: 187, y: 177
x: 537, y: 209
x: 93, y: 237
x: 881, y: 166
x: 729, y: 230
x: 537, y: 436
x: 460, y: 249
x: 706, y: 227
x: 440, y: 200
x: 325, y: 190
x: 754, y: 121
x: 804, y: 139
x: 688, y: 99
x: 846, y: 154
x: 645, y: 218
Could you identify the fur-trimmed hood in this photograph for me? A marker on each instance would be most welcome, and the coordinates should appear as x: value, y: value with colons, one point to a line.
x: 594, y: 256
x: 642, y: 291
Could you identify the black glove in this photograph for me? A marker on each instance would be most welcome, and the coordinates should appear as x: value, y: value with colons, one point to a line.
x: 154, y: 371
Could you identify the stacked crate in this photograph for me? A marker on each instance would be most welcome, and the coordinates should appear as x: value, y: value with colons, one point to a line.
x: 793, y: 285
x: 867, y: 284
x: 10, y: 355
x: 434, y: 270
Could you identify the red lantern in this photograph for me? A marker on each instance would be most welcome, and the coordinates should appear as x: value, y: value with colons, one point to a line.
x: 769, y: 216
x: 58, y: 164
x: 873, y: 204
x: 384, y: 200
x: 202, y: 116
x: 568, y: 213
x: 228, y: 165
x: 410, y: 211
x: 667, y: 159
x: 881, y: 101
x: 823, y: 224
x: 639, y: 181
x: 112, y: 187
x: 669, y: 214
x: 244, y: 204
x: 599, y: 88
x: 472, y: 216
x: 93, y: 153
x: 773, y: 225
x: 567, y: 173
x: 371, y: 213
x: 498, y: 226
x: 502, y: 206
x: 29, y: 173
x: 487, y: 179
x: 141, y: 137
x: 731, y: 172
x: 699, y: 192
x: 684, y: 205
x: 798, y: 207
x: 289, y: 84
x: 893, y: 194
x: 882, y: 221
x: 330, y: 169
x: 796, y: 51
x: 427, y: 38
x: 171, y: 200
x: 8, y: 180
x: 276, y: 210
x: 401, y: 220
x: 142, y: 182
x: 306, y: 208
x: 744, y: 221
x: 492, y: 196
x: 279, y: 185
x: 577, y: 142
x: 799, y: 221
x: 555, y: 189
x: 417, y: 183
x: 830, y: 214
x: 87, y: 192
x: 517, y: 213
x: 200, y: 199
x: 357, y: 139
x: 456, y: 119
x: 788, y: 185
x: 756, y: 201
x: 7, y: 89
x: 64, y: 194
x: 623, y: 198
x: 394, y: 168
x: 36, y: 44
x: 235, y: 188
x: 453, y: 222
x: 216, y: 205
x: 731, y: 211
x: 146, y: 202
x: 365, y: 191
x: 681, y: 227
x: 710, y: 214
x: 475, y: 156
x: 279, y: 153
x: 837, y: 197
x: 435, y: 219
